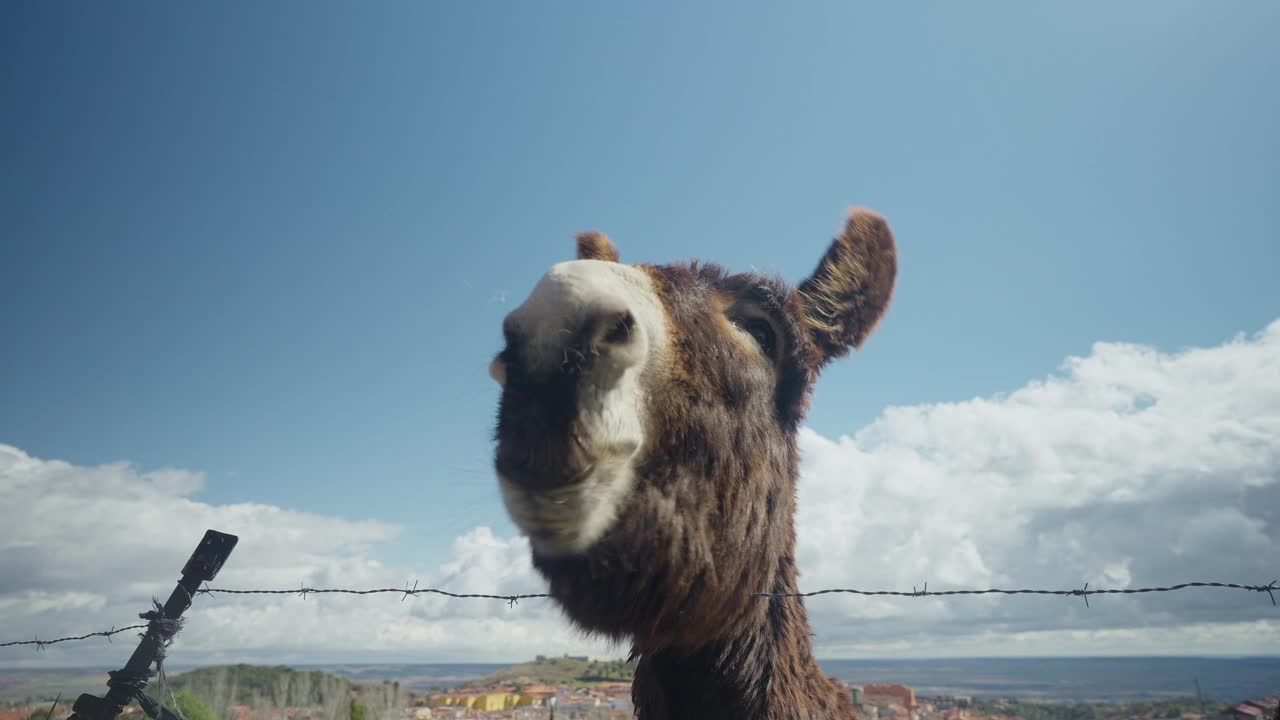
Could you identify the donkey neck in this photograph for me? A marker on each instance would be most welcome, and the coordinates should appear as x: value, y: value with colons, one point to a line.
x: 766, y: 672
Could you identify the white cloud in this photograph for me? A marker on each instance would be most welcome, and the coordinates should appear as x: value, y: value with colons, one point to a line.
x: 1129, y: 467
x: 85, y: 548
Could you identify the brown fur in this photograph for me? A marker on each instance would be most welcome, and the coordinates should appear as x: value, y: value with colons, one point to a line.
x: 596, y: 246
x: 851, y: 288
x: 711, y: 520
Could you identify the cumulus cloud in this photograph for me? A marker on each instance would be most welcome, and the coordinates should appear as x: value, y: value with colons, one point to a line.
x: 1128, y: 467
x: 85, y: 548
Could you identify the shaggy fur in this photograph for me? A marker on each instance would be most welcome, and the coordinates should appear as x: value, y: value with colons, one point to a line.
x: 596, y: 246
x: 850, y: 291
x: 711, y: 519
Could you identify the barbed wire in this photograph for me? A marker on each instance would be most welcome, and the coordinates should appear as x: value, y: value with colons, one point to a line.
x: 406, y: 592
x: 1084, y: 592
x: 105, y: 633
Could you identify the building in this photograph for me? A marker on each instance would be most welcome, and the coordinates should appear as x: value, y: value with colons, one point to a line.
x: 884, y: 694
x: 860, y: 702
x: 537, y: 695
x: 1264, y: 709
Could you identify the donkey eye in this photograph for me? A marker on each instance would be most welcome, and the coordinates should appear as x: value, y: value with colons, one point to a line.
x: 762, y: 332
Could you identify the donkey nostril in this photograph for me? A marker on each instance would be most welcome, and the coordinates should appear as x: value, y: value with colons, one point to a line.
x: 619, y: 328
x: 498, y: 371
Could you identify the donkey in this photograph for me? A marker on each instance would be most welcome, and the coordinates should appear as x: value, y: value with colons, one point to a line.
x: 646, y: 445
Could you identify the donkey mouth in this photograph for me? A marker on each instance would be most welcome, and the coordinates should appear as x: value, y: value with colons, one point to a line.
x: 565, y: 472
x: 566, y: 516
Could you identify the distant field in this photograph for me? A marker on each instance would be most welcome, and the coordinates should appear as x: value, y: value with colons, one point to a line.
x: 418, y: 677
x: 23, y: 684
x: 1076, y: 679
x: 1107, y: 679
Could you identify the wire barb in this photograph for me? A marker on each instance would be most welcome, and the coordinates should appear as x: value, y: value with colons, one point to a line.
x: 1084, y: 594
x: 1270, y: 589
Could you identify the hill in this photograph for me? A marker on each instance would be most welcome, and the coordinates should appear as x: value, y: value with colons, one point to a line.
x: 263, y: 688
x: 560, y: 671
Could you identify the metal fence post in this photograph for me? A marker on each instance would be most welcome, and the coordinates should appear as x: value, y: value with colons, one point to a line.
x: 128, y: 683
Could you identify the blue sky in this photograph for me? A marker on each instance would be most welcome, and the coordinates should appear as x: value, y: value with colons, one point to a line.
x: 273, y: 243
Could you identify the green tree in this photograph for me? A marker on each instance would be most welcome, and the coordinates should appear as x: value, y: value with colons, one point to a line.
x: 191, y: 707
x: 358, y: 711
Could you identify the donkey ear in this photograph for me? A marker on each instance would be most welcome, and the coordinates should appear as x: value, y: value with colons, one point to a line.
x: 596, y: 246
x: 851, y: 288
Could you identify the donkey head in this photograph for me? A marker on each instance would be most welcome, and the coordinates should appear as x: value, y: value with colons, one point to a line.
x: 646, y: 432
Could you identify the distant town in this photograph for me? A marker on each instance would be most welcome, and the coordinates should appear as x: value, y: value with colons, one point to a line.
x: 612, y: 701
x: 569, y: 688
